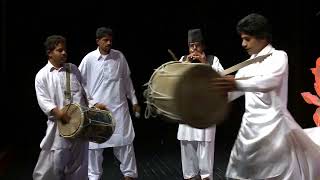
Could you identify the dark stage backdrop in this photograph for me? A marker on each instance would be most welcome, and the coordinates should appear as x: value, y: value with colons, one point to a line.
x: 144, y: 32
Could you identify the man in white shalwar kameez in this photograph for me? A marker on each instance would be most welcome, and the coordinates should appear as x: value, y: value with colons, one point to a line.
x: 270, y: 144
x: 106, y: 77
x: 197, y: 145
x: 60, y: 158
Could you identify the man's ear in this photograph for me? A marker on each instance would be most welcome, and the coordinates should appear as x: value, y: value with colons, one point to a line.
x: 48, y: 52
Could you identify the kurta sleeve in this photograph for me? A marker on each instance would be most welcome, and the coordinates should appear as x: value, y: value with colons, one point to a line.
x: 216, y: 65
x: 86, y: 95
x: 181, y: 59
x: 84, y: 71
x: 130, y: 92
x: 234, y: 95
x: 270, y: 77
x: 45, y: 102
x: 219, y: 68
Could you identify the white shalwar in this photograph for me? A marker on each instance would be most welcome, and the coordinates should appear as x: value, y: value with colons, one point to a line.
x: 270, y: 144
x: 197, y: 145
x: 107, y: 80
x: 60, y: 158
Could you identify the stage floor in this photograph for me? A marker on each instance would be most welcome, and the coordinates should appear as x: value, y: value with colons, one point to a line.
x: 157, y: 153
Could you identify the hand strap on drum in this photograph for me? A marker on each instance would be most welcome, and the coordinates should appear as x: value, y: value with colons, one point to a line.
x: 67, y: 93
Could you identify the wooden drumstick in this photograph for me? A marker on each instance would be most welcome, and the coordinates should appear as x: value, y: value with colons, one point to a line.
x: 243, y: 78
x: 173, y: 56
x: 245, y: 63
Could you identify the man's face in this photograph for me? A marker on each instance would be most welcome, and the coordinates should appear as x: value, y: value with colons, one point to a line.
x: 105, y: 44
x: 195, y: 47
x: 58, y: 56
x: 251, y: 44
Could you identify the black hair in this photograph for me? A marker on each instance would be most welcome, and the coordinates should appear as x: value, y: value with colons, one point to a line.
x: 52, y: 42
x: 255, y: 25
x: 103, y: 32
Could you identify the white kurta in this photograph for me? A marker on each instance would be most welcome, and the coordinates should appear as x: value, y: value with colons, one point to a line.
x: 50, y: 84
x: 188, y: 133
x: 60, y: 157
x: 107, y: 80
x: 270, y: 144
x: 314, y: 134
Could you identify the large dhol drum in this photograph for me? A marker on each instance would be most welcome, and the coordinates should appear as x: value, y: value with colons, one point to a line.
x: 90, y: 123
x: 180, y: 92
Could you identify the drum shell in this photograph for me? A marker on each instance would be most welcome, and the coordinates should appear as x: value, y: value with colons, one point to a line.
x: 100, y: 125
x: 162, y: 89
x: 197, y: 103
x: 87, y: 123
x: 180, y: 92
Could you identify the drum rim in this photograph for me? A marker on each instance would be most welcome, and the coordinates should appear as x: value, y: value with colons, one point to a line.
x: 77, y: 132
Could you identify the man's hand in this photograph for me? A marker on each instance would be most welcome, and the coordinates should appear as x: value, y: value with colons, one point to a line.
x: 136, y: 110
x: 101, y: 106
x: 61, y: 116
x: 65, y: 118
x: 223, y: 84
x: 201, y: 57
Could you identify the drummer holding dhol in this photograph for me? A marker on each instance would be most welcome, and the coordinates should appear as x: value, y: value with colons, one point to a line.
x: 60, y: 158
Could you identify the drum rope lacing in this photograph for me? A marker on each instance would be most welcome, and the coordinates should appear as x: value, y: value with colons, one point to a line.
x: 90, y: 120
x: 150, y: 105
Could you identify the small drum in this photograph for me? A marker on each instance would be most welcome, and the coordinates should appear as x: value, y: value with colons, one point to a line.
x: 90, y: 123
x: 180, y: 92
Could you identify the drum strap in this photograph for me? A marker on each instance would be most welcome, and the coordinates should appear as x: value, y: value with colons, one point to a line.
x: 84, y: 95
x: 67, y: 93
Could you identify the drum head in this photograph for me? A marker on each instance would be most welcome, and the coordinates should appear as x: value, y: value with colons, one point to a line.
x: 72, y: 128
x: 163, y: 86
x: 196, y: 104
x: 101, y: 127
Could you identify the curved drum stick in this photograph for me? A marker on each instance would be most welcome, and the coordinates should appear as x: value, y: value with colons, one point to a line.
x: 244, y: 63
x: 173, y: 56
